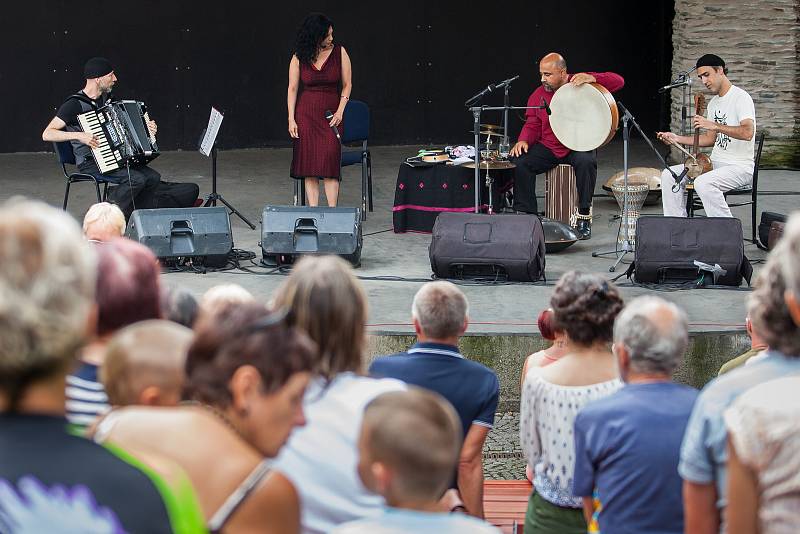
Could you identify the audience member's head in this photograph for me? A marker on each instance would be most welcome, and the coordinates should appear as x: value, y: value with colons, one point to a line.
x: 247, y: 363
x: 326, y: 301
x: 650, y: 337
x: 767, y: 305
x: 47, y: 285
x: 584, y: 307
x: 440, y: 311
x: 103, y: 222
x: 545, y: 324
x: 144, y: 364
x: 216, y: 299
x: 128, y: 280
x: 789, y: 260
x: 178, y: 305
x: 407, y: 466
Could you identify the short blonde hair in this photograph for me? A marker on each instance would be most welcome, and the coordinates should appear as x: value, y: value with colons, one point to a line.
x: 416, y: 433
x: 148, y: 353
x: 103, y: 221
x: 47, y: 286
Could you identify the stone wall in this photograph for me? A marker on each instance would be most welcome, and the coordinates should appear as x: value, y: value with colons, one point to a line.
x: 760, y: 43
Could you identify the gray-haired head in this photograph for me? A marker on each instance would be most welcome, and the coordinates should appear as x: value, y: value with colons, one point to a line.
x: 655, y: 334
x: 441, y: 309
x: 788, y: 254
x: 47, y: 285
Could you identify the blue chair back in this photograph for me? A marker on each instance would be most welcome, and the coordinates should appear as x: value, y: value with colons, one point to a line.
x: 65, y: 154
x: 356, y: 122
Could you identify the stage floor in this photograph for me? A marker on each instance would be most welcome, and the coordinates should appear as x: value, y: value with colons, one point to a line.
x: 394, y: 265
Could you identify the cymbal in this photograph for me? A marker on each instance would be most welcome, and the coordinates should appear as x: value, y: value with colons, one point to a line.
x: 488, y: 132
x: 493, y: 127
x: 491, y: 165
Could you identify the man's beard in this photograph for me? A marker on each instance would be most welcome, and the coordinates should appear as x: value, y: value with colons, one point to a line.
x: 547, y: 87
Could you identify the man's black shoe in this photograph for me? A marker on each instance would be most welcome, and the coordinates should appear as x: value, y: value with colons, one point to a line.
x: 583, y: 227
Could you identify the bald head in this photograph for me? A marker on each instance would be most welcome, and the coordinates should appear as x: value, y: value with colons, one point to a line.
x: 553, y: 70
x: 149, y: 355
x: 554, y: 60
x: 655, y: 334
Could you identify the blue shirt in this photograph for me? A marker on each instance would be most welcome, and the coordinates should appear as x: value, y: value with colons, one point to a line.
x: 473, y: 389
x: 399, y: 521
x: 703, y: 454
x: 627, y: 446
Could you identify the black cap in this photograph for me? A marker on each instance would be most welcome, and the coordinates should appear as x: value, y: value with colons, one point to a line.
x: 97, y: 67
x: 710, y: 60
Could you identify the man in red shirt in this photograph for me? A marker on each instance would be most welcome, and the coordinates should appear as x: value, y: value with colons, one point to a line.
x: 538, y: 150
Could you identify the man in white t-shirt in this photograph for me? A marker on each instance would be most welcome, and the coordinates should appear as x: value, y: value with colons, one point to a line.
x: 730, y: 126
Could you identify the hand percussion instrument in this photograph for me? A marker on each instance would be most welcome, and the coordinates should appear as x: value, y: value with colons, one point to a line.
x: 584, y: 117
x: 639, y: 176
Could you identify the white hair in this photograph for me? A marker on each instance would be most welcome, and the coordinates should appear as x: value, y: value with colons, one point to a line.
x: 440, y: 308
x: 655, y: 333
x: 47, y: 284
x: 103, y: 221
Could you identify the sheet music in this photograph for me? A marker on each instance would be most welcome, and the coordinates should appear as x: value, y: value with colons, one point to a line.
x: 214, y: 122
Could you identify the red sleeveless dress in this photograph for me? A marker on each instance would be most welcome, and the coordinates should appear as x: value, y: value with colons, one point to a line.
x: 317, y: 152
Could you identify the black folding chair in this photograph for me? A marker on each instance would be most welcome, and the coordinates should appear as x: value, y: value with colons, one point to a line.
x: 356, y: 130
x: 67, y: 157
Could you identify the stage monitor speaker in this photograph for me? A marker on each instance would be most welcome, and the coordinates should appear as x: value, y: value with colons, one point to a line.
x: 173, y: 234
x: 288, y: 232
x: 679, y: 250
x: 473, y: 245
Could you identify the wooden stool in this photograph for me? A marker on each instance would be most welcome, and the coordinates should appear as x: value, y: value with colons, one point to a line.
x: 561, y: 195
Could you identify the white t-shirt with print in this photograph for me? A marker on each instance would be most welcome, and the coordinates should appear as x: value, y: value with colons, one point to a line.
x: 731, y: 109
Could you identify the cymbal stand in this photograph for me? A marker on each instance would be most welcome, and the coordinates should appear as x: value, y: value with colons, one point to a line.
x: 476, y: 117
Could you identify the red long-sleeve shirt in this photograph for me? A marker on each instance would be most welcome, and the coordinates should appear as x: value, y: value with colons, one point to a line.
x: 537, y: 123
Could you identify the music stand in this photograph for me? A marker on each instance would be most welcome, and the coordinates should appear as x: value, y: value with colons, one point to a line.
x: 208, y: 147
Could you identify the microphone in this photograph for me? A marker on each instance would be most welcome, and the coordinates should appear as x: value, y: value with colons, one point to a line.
x: 328, y: 117
x: 505, y: 82
x: 673, y: 86
x: 474, y: 99
x: 546, y: 107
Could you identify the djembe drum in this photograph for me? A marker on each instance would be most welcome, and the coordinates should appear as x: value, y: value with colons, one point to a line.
x: 637, y: 194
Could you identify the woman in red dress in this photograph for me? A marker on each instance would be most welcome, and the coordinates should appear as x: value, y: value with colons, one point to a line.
x: 322, y: 67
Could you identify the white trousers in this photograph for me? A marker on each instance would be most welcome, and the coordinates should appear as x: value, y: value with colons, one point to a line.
x: 709, y: 187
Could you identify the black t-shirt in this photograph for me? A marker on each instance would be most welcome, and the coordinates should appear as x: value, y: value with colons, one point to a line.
x: 53, y: 481
x: 69, y: 110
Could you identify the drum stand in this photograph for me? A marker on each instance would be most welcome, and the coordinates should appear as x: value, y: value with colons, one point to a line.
x: 626, y: 243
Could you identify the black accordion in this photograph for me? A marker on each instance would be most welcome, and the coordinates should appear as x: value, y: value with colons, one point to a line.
x: 121, y: 128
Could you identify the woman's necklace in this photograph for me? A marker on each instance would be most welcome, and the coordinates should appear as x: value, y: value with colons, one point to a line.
x: 219, y: 414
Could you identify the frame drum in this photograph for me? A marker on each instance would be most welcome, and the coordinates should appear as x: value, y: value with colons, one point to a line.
x: 584, y: 117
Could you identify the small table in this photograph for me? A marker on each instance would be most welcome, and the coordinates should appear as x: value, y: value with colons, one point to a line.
x: 421, y: 193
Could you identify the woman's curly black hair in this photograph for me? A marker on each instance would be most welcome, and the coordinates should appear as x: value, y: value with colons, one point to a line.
x: 309, y: 36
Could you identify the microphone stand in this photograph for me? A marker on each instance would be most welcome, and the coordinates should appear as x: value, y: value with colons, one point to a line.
x: 627, y: 246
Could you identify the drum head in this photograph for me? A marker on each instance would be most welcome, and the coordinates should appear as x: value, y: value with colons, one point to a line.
x: 583, y: 117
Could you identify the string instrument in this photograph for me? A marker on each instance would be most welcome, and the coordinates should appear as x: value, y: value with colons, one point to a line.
x: 697, y: 162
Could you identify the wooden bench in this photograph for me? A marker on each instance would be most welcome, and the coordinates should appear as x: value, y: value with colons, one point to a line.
x: 505, y: 503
